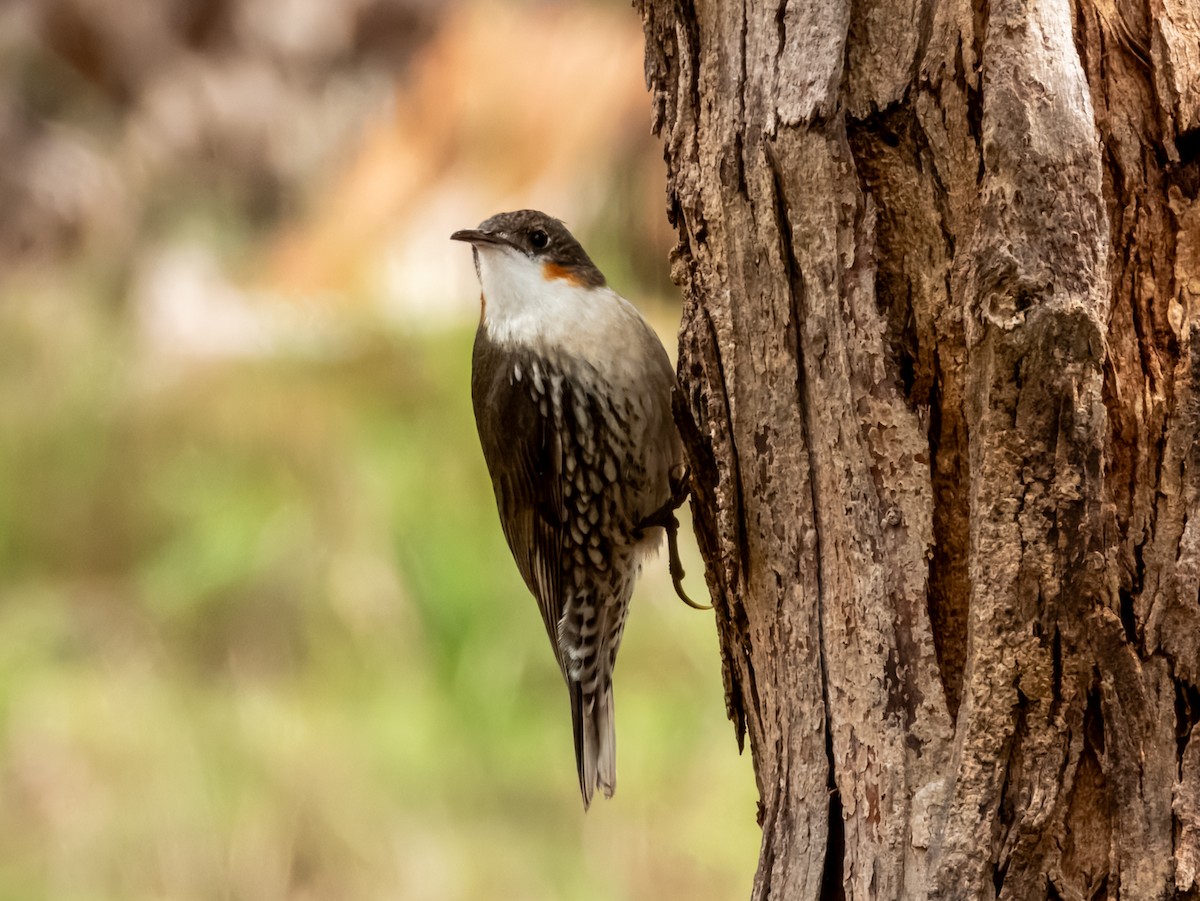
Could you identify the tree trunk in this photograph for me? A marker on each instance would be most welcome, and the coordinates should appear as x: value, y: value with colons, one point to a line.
x: 940, y: 371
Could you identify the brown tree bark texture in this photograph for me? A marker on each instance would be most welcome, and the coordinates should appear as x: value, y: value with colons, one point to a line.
x: 940, y: 371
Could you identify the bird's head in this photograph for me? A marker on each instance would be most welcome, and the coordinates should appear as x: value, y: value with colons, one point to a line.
x: 524, y: 246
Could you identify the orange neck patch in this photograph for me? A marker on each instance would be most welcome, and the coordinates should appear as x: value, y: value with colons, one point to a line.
x: 551, y: 271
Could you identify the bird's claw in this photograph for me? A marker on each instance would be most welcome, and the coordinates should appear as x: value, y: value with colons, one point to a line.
x: 665, y: 517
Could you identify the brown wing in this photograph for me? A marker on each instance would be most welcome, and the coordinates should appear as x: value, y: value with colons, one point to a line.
x: 524, y: 457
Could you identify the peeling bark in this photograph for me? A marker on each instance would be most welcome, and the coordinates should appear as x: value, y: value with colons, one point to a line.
x: 940, y: 361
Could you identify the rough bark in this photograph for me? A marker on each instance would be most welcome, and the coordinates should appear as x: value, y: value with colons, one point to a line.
x: 940, y: 361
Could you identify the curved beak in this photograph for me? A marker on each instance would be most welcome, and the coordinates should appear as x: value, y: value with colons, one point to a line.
x: 475, y: 236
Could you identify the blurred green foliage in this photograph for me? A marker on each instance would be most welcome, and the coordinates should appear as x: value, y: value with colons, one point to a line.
x: 260, y: 637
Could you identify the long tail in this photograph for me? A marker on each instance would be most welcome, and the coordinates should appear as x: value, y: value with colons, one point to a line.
x: 595, y: 740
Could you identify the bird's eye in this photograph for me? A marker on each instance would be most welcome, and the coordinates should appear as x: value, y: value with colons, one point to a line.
x: 538, y: 238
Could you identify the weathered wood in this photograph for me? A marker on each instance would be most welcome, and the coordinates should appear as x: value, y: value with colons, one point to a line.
x: 940, y: 361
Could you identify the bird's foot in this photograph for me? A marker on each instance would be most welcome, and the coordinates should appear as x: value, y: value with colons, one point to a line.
x: 665, y: 517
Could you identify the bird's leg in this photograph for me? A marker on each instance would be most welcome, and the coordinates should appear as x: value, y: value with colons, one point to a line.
x: 665, y: 516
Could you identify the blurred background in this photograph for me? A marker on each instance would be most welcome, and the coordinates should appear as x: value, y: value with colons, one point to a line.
x: 260, y: 636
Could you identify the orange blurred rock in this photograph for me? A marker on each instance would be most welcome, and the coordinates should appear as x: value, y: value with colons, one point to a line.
x: 509, y: 105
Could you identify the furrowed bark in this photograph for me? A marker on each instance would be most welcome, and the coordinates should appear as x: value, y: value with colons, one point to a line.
x: 940, y: 361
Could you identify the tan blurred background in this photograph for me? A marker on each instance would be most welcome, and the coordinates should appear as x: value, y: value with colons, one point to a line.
x: 260, y: 637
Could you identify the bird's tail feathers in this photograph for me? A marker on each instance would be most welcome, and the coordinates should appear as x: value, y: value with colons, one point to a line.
x: 595, y: 740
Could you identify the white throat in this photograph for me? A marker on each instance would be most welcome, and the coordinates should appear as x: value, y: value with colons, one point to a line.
x: 523, y: 307
x: 570, y: 325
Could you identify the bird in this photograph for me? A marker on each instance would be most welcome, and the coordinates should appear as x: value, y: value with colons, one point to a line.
x: 572, y: 393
